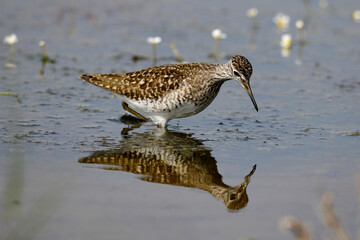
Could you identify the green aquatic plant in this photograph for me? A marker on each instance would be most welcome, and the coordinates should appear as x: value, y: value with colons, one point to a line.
x: 136, y: 58
x: 11, y: 95
x: 11, y: 40
x: 300, y: 26
x: 154, y: 41
x: 176, y: 53
x: 44, y: 57
x: 84, y: 109
x: 354, y: 133
x: 217, y: 35
x: 252, y: 13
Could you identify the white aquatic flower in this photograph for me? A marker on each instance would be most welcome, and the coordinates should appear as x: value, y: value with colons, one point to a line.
x: 356, y: 15
x: 298, y: 61
x: 10, y: 39
x: 282, y: 21
x: 42, y: 43
x: 323, y: 4
x: 217, y: 34
x: 252, y: 12
x: 154, y: 40
x: 285, y: 52
x: 286, y: 41
x: 299, y: 24
x: 10, y: 65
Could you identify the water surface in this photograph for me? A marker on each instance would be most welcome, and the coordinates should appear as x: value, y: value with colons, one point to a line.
x: 68, y: 171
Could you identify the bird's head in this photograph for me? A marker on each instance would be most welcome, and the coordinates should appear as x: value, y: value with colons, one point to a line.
x: 241, y: 72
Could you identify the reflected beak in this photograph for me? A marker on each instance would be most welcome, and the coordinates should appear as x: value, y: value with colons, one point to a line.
x: 248, y: 90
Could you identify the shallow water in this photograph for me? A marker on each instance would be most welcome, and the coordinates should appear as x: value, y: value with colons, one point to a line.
x: 68, y: 171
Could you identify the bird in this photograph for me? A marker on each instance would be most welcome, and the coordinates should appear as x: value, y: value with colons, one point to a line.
x: 173, y: 91
x: 172, y: 158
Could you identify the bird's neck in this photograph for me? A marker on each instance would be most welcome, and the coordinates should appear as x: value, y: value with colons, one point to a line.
x: 222, y: 72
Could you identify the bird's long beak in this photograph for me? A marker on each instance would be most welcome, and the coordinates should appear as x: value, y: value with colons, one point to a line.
x: 248, y: 90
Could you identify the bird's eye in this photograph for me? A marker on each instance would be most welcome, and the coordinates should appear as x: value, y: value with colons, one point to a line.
x: 236, y: 74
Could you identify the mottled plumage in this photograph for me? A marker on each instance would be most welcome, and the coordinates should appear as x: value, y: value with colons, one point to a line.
x: 174, y: 91
x: 172, y: 158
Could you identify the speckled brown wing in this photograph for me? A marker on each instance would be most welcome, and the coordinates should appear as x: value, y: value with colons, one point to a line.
x: 151, y: 83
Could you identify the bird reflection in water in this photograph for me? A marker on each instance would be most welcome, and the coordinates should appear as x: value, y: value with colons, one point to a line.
x: 173, y: 158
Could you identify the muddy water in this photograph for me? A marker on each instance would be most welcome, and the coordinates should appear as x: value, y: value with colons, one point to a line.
x: 72, y: 169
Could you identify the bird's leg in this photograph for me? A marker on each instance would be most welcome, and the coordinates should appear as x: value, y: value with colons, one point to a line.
x: 125, y: 131
x: 132, y: 111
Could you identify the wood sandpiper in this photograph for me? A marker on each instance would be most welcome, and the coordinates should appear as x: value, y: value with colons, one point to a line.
x: 173, y: 91
x: 173, y: 158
